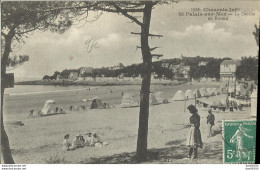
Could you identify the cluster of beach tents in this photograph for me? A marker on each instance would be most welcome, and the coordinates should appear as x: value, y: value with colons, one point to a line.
x: 128, y: 100
x: 197, y: 93
x: 159, y: 97
x: 155, y: 99
x: 50, y: 107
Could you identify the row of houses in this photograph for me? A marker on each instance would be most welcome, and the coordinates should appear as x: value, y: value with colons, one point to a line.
x: 227, y: 70
x: 83, y: 71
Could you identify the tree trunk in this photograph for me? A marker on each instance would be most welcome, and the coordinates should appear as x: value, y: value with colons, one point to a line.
x: 5, y: 148
x: 141, y: 152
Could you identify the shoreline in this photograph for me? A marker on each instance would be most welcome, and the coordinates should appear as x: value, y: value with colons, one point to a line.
x: 95, y: 83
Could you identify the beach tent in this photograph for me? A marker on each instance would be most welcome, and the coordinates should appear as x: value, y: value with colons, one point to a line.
x: 209, y: 91
x: 179, y: 95
x: 231, y: 89
x: 96, y: 103
x: 153, y: 100
x: 218, y: 91
x: 224, y: 90
x: 160, y: 96
x: 213, y: 103
x: 189, y: 94
x: 196, y: 93
x: 214, y: 91
x: 202, y: 91
x: 223, y: 101
x: 48, y: 106
x: 128, y: 101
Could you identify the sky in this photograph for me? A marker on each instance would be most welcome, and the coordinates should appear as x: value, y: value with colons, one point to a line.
x: 182, y: 35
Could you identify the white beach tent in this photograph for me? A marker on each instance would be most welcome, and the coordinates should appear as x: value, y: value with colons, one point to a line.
x: 213, y: 103
x: 128, y: 101
x: 48, y: 105
x: 209, y: 91
x: 218, y: 91
x: 223, y: 101
x: 179, y: 96
x: 160, y: 96
x: 202, y: 92
x: 214, y: 91
x: 189, y: 94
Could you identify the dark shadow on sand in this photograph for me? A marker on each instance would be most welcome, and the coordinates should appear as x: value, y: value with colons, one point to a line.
x: 162, y: 155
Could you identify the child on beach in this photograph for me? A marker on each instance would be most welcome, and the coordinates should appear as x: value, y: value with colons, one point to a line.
x: 78, y: 141
x: 30, y: 114
x: 95, y: 141
x: 210, y: 122
x: 194, y: 140
x: 88, y: 139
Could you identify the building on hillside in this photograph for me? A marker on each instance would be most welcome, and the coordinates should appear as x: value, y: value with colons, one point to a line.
x: 73, y: 75
x: 165, y: 64
x: 228, y: 69
x: 121, y: 76
x: 59, y: 77
x: 181, y: 71
x: 84, y: 70
x: 203, y: 63
x: 154, y: 76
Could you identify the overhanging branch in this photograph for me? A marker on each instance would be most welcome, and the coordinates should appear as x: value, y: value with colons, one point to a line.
x: 151, y: 49
x: 157, y: 55
x: 150, y: 35
x: 124, y: 12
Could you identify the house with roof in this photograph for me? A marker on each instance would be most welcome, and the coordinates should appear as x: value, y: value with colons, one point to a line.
x: 203, y: 63
x: 73, y: 75
x: 180, y: 70
x: 228, y: 69
x: 85, y: 70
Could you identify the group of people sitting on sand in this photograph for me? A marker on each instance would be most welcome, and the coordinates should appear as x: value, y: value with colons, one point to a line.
x: 92, y: 139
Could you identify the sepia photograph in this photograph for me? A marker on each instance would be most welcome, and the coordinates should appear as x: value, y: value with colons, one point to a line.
x: 129, y: 82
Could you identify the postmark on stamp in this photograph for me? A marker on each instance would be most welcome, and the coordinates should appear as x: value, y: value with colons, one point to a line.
x: 239, y: 141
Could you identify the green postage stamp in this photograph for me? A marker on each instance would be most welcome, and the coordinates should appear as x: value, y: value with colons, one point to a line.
x: 239, y: 141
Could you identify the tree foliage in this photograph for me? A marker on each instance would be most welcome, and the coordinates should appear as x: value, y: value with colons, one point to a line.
x: 18, y: 20
x: 17, y: 60
x: 248, y: 68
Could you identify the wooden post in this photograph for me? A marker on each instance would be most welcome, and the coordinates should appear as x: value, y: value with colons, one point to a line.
x: 195, y: 100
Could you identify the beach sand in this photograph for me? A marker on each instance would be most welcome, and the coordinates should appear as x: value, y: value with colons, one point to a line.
x: 40, y: 139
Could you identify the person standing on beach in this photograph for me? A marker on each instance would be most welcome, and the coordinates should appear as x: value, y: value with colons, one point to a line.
x: 194, y: 140
x: 210, y: 122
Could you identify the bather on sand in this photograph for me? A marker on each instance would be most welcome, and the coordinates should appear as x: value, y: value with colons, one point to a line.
x: 66, y: 145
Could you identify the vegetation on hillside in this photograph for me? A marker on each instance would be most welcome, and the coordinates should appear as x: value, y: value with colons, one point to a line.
x: 211, y: 69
